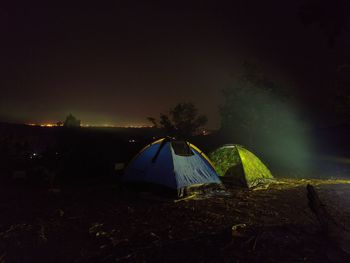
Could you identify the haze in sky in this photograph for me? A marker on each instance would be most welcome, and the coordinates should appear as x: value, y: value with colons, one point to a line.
x: 120, y: 63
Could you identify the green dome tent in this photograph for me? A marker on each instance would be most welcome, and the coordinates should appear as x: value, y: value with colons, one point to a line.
x: 237, y: 166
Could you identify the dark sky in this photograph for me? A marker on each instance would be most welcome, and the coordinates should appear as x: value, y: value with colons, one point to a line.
x: 122, y: 62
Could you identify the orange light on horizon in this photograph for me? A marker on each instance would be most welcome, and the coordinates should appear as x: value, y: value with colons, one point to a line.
x: 43, y: 124
x: 48, y: 125
x: 85, y: 125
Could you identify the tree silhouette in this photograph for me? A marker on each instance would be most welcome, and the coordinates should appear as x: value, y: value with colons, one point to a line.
x: 59, y: 123
x: 71, y: 122
x: 153, y: 121
x: 182, y: 121
x: 259, y: 114
x: 251, y: 107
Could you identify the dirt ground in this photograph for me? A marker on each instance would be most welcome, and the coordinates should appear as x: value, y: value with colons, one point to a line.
x: 104, y: 223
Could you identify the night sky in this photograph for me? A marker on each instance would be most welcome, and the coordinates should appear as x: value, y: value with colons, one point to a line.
x: 119, y: 63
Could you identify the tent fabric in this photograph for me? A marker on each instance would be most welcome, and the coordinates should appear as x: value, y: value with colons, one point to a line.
x: 238, y: 166
x: 176, y: 171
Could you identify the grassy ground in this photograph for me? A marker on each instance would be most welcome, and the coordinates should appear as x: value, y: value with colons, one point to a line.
x: 106, y: 224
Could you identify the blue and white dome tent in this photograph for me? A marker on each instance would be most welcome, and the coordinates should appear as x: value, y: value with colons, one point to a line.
x: 173, y: 164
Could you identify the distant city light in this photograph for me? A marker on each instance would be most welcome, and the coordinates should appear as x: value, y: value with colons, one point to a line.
x: 34, y: 156
x: 43, y: 124
x: 85, y: 125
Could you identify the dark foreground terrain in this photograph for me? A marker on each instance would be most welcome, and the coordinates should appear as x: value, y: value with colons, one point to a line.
x: 105, y: 223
